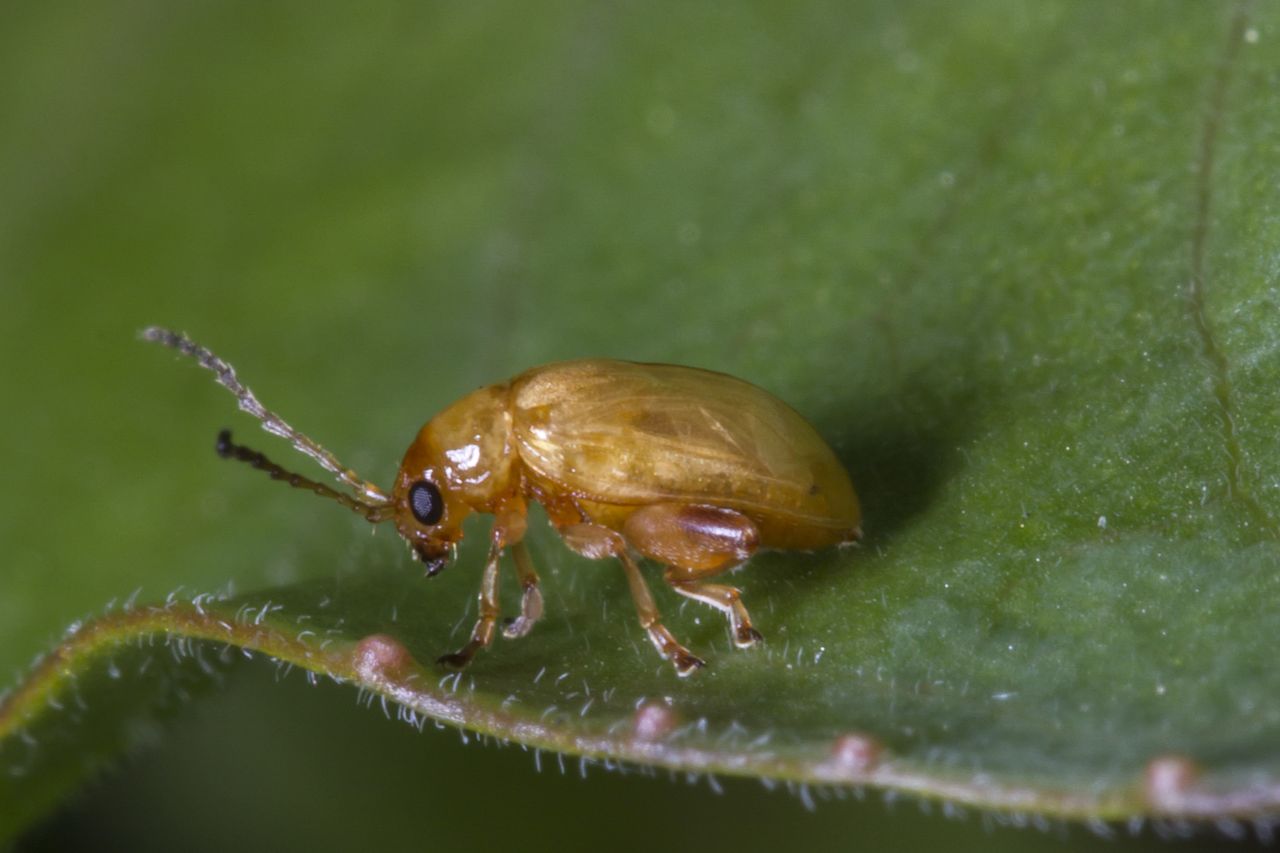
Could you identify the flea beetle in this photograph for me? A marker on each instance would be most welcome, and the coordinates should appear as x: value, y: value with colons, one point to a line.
x: 693, y: 469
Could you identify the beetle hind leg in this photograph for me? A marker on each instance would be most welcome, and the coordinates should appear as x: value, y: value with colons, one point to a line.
x: 698, y: 542
x: 726, y: 599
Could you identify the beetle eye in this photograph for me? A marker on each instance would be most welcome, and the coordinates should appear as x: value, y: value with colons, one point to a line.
x: 425, y: 502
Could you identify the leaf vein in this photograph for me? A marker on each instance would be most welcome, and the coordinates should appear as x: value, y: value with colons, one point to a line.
x: 1211, y: 350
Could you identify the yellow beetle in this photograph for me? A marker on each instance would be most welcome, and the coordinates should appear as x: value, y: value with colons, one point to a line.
x: 690, y: 468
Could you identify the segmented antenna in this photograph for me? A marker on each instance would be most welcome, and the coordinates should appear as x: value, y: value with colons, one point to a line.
x: 229, y: 450
x: 271, y: 422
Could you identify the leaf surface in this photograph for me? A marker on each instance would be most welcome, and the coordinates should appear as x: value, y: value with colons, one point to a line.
x: 1019, y: 269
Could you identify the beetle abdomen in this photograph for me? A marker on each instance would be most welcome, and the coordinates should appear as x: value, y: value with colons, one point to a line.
x: 622, y: 433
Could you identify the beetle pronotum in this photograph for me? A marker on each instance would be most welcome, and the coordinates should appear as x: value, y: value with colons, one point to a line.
x: 693, y: 469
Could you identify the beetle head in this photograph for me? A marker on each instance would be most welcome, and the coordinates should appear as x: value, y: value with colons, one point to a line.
x: 427, y: 518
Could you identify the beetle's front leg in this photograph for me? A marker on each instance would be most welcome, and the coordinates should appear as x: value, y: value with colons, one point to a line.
x: 482, y: 633
x: 508, y: 529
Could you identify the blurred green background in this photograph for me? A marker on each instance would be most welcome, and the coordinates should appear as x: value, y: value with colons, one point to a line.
x: 373, y: 209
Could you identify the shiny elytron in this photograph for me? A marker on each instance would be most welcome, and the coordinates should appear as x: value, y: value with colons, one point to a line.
x: 693, y: 469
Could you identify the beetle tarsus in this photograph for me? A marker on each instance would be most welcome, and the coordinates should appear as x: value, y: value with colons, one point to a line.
x: 458, y: 659
x: 747, y: 636
x: 514, y: 628
x: 686, y: 663
x: 530, y: 612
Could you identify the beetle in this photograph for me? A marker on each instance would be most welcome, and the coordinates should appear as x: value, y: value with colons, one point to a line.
x: 693, y: 469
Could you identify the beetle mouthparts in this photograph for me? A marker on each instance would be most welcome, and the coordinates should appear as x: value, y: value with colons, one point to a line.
x: 435, y: 565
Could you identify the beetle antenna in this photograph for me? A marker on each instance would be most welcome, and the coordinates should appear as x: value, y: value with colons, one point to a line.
x: 228, y: 450
x: 372, y: 496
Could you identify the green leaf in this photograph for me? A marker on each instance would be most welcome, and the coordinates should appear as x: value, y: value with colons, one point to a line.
x: 1017, y: 264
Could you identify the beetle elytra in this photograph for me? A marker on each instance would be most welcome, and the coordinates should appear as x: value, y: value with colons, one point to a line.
x: 693, y: 469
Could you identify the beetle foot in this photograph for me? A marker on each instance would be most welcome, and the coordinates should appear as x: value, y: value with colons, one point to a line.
x: 530, y: 612
x: 746, y: 637
x: 458, y: 659
x: 686, y: 662
x: 515, y: 627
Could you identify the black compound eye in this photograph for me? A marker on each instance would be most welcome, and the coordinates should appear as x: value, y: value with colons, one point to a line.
x: 425, y: 502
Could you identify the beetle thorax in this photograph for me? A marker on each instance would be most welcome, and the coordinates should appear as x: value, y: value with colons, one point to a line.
x: 468, y: 450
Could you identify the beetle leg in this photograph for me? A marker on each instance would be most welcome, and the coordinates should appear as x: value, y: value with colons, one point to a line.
x: 596, y: 542
x: 508, y: 529
x: 698, y: 542
x: 482, y: 633
x: 684, y: 660
x: 726, y: 599
x: 531, y: 598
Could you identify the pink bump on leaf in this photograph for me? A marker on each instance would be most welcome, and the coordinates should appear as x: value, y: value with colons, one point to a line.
x: 379, y: 657
x: 856, y: 754
x: 1169, y: 779
x: 653, y: 722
